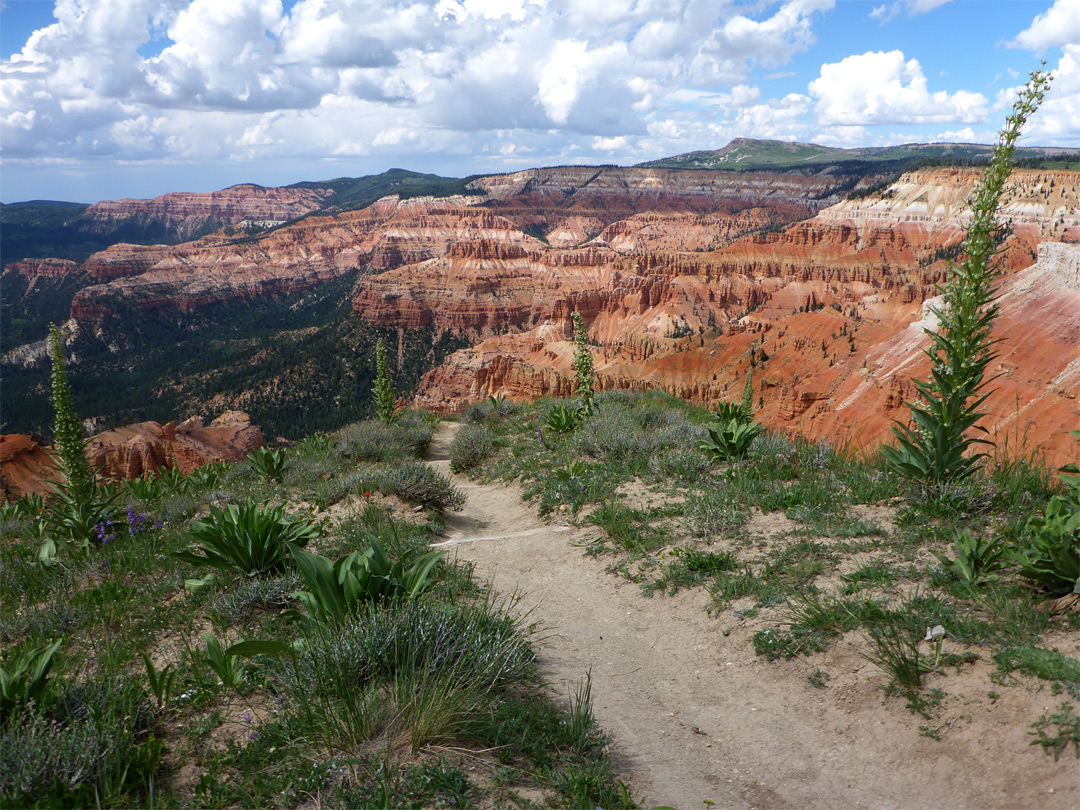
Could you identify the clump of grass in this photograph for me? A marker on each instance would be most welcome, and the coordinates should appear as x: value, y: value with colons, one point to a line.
x: 409, y: 436
x: 1042, y: 663
x: 250, y: 596
x: 416, y: 482
x: 684, y: 465
x: 421, y: 667
x: 628, y: 528
x: 714, y: 514
x: 90, y: 746
x: 691, y: 566
x: 471, y: 447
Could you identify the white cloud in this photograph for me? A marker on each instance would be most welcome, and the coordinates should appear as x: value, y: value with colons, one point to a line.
x: 1059, y: 25
x: 884, y: 88
x: 886, y: 12
x: 1057, y: 121
x: 609, y: 144
x: 353, y: 71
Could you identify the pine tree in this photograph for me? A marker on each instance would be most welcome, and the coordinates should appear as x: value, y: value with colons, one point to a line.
x: 583, y: 365
x: 383, y: 389
x: 67, y: 427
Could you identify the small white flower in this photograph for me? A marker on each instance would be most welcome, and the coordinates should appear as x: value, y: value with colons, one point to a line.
x: 935, y: 632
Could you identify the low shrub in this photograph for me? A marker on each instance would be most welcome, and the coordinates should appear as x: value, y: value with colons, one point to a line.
x: 92, y: 746
x: 410, y: 435
x: 472, y: 445
x: 417, y: 483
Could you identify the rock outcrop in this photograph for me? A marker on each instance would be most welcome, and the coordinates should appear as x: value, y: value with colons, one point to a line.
x: 184, y: 215
x: 816, y: 309
x: 315, y: 250
x: 132, y: 451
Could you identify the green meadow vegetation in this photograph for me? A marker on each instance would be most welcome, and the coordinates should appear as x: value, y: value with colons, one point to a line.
x: 272, y: 633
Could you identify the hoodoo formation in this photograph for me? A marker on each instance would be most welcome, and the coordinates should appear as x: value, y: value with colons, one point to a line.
x: 817, y: 283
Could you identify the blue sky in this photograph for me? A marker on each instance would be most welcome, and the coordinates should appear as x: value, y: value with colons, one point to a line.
x: 103, y: 99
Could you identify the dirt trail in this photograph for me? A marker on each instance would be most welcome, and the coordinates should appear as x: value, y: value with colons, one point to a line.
x: 697, y: 717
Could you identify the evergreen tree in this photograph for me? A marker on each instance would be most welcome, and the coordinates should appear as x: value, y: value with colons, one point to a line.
x: 383, y: 389
x: 583, y: 364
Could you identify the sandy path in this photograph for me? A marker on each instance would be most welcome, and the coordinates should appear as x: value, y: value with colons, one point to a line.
x: 697, y: 717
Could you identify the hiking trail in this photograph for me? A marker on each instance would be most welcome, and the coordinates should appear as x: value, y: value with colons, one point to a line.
x: 699, y: 719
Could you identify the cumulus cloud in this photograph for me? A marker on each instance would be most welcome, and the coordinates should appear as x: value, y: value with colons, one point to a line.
x: 241, y: 78
x: 885, y: 88
x: 1058, y: 26
x: 1055, y: 122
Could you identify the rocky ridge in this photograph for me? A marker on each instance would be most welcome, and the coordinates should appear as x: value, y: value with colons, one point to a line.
x: 186, y: 215
x: 688, y: 279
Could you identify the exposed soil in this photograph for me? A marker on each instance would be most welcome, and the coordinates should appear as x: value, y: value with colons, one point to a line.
x: 698, y: 718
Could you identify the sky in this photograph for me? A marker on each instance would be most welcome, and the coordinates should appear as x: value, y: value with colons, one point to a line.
x: 102, y: 99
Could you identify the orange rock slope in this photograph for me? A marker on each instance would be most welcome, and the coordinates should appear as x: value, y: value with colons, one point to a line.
x: 687, y: 279
x: 132, y: 451
x: 822, y: 310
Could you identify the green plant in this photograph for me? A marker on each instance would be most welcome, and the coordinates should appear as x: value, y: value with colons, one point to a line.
x: 28, y: 507
x: 747, y: 403
x: 269, y: 465
x: 977, y: 561
x: 145, y: 489
x: 161, y: 683
x: 472, y: 445
x: 1050, y: 552
x: 1068, y: 731
x: 253, y: 538
x: 173, y: 480
x: 581, y: 727
x: 894, y: 646
x: 731, y: 411
x: 337, y: 589
x: 210, y: 475
x: 729, y: 440
x: 27, y: 679
x: 934, y: 451
x: 67, y: 427
x: 583, y: 365
x: 382, y: 391
x: 225, y: 663
x: 74, y: 516
x: 563, y: 418
x: 570, y: 473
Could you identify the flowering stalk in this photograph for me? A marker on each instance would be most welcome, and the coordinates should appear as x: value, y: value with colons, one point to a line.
x: 934, y: 449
